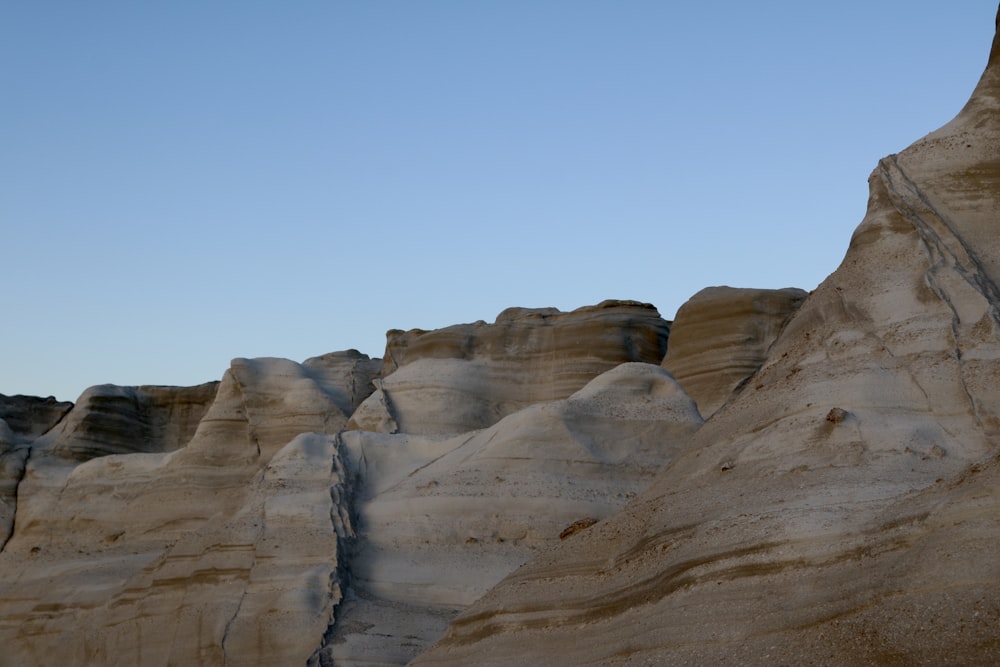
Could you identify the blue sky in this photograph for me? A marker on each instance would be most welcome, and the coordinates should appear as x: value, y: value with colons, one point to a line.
x: 182, y: 183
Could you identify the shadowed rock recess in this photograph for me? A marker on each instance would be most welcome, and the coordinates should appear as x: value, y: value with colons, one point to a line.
x: 795, y: 479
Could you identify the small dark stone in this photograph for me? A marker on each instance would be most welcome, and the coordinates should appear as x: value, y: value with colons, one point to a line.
x: 576, y: 527
x: 837, y: 415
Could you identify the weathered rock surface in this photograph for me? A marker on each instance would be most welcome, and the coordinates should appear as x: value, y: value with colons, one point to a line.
x: 721, y: 336
x: 22, y: 419
x: 469, y: 376
x: 29, y: 416
x: 225, y: 550
x: 12, y: 459
x: 843, y: 508
x: 441, y: 520
x: 108, y: 419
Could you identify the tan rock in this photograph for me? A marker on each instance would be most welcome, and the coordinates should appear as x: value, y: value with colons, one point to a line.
x: 22, y: 419
x: 843, y: 509
x: 223, y: 551
x: 721, y: 336
x: 13, y: 456
x: 443, y: 519
x: 469, y: 376
x: 31, y: 416
x: 109, y: 419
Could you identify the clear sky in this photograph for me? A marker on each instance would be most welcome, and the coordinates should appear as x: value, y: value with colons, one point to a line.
x: 186, y: 182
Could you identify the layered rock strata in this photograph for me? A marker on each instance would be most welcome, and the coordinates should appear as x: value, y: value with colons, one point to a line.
x: 721, y: 336
x: 843, y: 508
x: 469, y: 376
x: 29, y: 416
x: 441, y: 520
x: 22, y: 419
x: 226, y: 549
x: 109, y: 419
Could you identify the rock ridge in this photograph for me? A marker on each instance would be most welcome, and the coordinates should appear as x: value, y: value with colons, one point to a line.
x: 231, y: 540
x: 840, y: 509
x: 795, y: 479
x: 469, y: 376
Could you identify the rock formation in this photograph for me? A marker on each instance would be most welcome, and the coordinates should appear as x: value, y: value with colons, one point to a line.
x: 721, y: 336
x: 222, y: 549
x: 22, y: 419
x: 443, y: 519
x: 541, y: 490
x: 469, y: 376
x: 117, y: 420
x: 29, y: 417
x: 843, y: 508
x: 238, y: 514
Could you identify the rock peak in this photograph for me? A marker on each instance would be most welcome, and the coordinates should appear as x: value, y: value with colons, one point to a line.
x: 986, y: 95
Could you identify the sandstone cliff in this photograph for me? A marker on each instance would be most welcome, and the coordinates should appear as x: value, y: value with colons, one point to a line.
x: 212, y: 537
x: 22, y: 419
x: 238, y: 522
x: 842, y: 509
x: 544, y: 490
x: 441, y: 520
x: 469, y: 376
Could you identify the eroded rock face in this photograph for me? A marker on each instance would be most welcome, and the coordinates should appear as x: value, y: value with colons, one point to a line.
x: 30, y: 416
x: 22, y: 419
x: 721, y: 336
x: 12, y: 460
x: 469, y: 376
x: 109, y: 419
x: 226, y: 550
x: 843, y: 508
x: 441, y: 520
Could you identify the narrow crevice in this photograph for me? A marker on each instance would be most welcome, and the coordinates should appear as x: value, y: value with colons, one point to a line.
x: 933, y: 227
x: 229, y: 624
x: 387, y: 404
x: 251, y: 429
x: 261, y: 531
x: 946, y: 250
x: 17, y: 501
x: 354, y: 390
x: 342, y: 520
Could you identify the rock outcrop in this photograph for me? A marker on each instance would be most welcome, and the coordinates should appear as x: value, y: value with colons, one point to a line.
x: 469, y: 376
x: 222, y: 549
x: 22, y: 419
x: 721, y: 336
x: 109, y: 419
x: 225, y: 514
x: 29, y: 417
x: 843, y: 508
x: 441, y: 520
x: 543, y: 491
